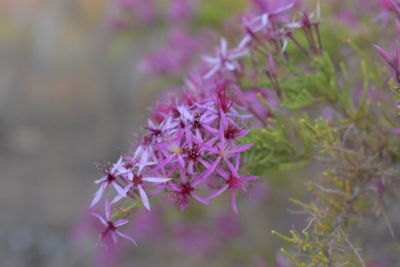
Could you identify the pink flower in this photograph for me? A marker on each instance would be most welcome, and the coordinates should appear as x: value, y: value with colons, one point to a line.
x: 180, y: 10
x: 173, y: 56
x: 392, y: 60
x: 182, y: 192
x: 109, y: 178
x: 224, y: 60
x: 137, y: 180
x: 233, y: 182
x: 111, y: 231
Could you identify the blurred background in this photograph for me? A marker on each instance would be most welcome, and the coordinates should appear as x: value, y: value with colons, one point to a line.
x: 69, y: 97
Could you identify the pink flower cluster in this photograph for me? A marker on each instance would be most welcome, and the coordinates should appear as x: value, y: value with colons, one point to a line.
x: 190, y: 142
x: 191, y: 137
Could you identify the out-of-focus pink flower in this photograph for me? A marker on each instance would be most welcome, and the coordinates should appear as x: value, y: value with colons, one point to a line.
x: 282, y: 261
x: 224, y: 59
x: 195, y: 239
x: 180, y: 10
x: 392, y: 60
x: 111, y: 232
x: 228, y: 226
x: 347, y: 17
x: 389, y: 8
x: 173, y: 56
x: 109, y: 178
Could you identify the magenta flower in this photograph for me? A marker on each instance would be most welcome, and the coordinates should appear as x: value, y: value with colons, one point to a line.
x: 111, y: 231
x: 233, y: 182
x: 182, y: 192
x: 173, y: 56
x: 109, y: 178
x: 179, y: 10
x: 253, y: 24
x: 224, y: 60
x: 392, y: 60
x: 190, y: 138
x: 307, y: 19
x: 136, y: 182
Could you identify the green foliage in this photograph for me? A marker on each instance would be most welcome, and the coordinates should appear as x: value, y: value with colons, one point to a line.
x: 214, y: 13
x: 289, y: 142
x: 355, y: 144
x: 307, y: 88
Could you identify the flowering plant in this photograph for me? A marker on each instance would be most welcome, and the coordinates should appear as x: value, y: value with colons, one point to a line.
x: 275, y: 94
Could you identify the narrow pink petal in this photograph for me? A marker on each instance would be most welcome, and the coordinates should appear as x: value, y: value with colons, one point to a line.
x: 114, y: 237
x: 237, y: 161
x: 181, y: 161
x: 241, y: 148
x: 143, y: 160
x: 294, y: 25
x: 138, y: 151
x: 218, y: 192
x: 156, y: 179
x: 118, y: 188
x: 207, y: 173
x: 126, y: 237
x: 222, y: 172
x: 211, y: 60
x: 382, y: 52
x: 190, y: 168
x: 185, y: 113
x: 117, y: 198
x: 229, y: 66
x: 233, y: 170
x: 144, y: 197
x: 223, y: 117
x: 117, y: 165
x: 284, y: 8
x: 212, y: 71
x: 120, y: 222
x: 100, y: 180
x: 224, y: 46
x: 233, y: 203
x: 98, y: 194
x: 108, y: 210
x: 243, y: 43
x: 200, y: 199
x: 183, y: 174
x: 100, y: 218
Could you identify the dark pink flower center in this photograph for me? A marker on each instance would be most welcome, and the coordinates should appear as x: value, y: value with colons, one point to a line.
x: 231, y: 132
x: 154, y: 132
x: 110, y: 177
x: 193, y: 152
x: 196, y: 121
x: 137, y: 179
x: 186, y: 189
x: 234, y: 183
x: 223, y: 100
x: 147, y: 139
x: 110, y: 228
